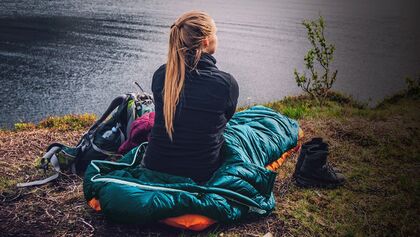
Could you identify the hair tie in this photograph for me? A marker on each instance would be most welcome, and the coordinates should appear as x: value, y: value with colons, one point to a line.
x: 172, y: 26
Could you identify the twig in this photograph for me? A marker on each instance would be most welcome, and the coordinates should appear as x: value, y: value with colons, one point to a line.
x: 48, y: 214
x: 90, y: 226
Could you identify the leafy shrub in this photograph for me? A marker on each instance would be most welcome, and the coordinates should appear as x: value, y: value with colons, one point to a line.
x: 320, y: 82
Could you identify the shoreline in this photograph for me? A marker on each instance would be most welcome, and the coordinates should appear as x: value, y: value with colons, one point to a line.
x: 292, y: 106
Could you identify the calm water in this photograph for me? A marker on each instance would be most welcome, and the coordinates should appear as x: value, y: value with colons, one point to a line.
x: 60, y: 57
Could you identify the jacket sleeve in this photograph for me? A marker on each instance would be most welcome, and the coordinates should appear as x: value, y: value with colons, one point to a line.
x: 233, y: 98
x: 158, y: 79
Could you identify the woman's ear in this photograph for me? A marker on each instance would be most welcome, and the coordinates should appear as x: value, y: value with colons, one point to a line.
x: 205, y: 42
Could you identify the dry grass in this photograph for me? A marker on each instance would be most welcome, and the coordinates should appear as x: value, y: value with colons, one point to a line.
x: 377, y: 150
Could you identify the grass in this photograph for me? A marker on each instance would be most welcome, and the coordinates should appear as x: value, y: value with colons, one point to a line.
x: 71, y: 122
x: 376, y: 149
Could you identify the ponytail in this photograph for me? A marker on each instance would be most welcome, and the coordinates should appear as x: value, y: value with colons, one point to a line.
x: 174, y: 79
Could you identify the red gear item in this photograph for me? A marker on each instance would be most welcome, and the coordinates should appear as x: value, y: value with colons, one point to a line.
x: 139, y: 133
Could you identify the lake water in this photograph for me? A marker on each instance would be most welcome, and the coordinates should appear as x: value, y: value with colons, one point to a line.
x: 60, y: 57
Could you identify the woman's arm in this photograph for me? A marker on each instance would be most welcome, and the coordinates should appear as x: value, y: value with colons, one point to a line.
x: 233, y: 98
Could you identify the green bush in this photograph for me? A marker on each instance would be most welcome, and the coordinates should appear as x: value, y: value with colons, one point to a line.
x: 319, y: 82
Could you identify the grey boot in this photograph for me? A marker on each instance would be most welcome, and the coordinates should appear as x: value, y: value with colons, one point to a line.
x: 315, y: 172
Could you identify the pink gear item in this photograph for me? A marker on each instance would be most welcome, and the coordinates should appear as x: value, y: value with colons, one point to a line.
x: 139, y: 133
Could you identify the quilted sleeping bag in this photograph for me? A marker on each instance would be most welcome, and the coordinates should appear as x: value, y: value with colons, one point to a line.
x: 240, y: 188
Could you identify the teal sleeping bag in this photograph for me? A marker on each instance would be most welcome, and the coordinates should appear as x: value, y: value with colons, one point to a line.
x: 240, y: 188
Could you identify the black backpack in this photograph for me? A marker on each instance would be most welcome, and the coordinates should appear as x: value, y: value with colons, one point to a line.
x: 100, y: 142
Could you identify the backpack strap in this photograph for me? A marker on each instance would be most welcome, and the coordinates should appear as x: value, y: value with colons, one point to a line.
x: 48, y: 157
x: 131, y: 116
x: 114, y: 104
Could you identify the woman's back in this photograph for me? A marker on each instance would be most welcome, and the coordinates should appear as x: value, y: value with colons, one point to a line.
x: 207, y: 102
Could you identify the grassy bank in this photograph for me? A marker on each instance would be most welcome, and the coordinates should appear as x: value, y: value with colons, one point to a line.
x: 376, y: 149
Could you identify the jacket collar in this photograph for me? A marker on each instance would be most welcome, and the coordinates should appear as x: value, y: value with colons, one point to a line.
x: 206, y: 61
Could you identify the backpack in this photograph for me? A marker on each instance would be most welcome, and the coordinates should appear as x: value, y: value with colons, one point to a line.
x: 100, y: 142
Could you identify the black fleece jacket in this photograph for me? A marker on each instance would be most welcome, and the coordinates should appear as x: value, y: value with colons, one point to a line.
x: 207, y: 102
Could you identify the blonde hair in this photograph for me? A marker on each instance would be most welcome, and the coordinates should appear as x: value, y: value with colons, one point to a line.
x: 186, y: 36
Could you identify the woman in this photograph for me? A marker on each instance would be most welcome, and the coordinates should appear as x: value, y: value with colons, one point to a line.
x: 193, y: 100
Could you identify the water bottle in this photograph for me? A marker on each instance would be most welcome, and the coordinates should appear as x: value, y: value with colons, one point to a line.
x: 110, y: 134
